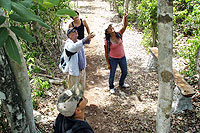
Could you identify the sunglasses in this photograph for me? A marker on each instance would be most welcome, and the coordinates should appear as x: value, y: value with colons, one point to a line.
x: 79, y: 102
x: 73, y: 31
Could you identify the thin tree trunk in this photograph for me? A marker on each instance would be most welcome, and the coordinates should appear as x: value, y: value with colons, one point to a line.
x: 165, y: 75
x: 111, y: 5
x: 197, y: 64
x: 125, y: 8
x: 154, y: 34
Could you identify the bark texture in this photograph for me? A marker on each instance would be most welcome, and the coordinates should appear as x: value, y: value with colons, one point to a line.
x: 23, y: 85
x: 165, y: 75
x: 11, y: 101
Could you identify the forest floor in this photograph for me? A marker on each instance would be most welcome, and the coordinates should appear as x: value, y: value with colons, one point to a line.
x: 128, y: 110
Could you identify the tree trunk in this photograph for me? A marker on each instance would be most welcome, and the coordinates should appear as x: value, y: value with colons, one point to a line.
x: 197, y: 64
x: 111, y: 5
x: 23, y: 85
x: 115, y: 6
x: 126, y: 5
x: 15, y: 90
x: 11, y: 101
x: 125, y: 8
x: 165, y: 75
x: 154, y: 34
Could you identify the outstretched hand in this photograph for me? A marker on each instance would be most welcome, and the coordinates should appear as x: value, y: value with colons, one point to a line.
x: 91, y: 35
x: 125, y: 14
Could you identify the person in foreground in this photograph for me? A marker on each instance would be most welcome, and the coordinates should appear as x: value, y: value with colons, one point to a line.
x: 74, y: 55
x: 114, y: 53
x: 71, y: 105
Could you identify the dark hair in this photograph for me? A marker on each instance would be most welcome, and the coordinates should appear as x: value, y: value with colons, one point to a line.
x: 107, y: 35
x: 76, y: 13
x: 76, y: 107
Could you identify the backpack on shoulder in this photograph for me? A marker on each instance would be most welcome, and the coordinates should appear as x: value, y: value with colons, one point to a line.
x: 63, y: 62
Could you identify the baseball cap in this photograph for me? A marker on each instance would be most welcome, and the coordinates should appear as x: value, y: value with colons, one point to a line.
x: 68, y: 100
x: 70, y: 29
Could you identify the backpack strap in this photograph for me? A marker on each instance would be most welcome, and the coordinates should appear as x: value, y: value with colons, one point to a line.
x: 69, y: 54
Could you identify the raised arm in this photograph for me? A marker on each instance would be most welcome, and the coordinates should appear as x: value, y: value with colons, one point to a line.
x: 125, y: 23
x: 86, y: 26
x: 70, y: 25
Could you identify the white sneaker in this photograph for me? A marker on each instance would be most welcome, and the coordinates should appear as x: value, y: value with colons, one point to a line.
x: 125, y: 85
x: 112, y: 90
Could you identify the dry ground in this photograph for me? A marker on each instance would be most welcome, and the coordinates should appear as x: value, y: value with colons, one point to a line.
x: 128, y: 110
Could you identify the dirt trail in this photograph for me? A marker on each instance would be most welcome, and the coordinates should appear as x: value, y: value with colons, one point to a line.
x: 127, y: 108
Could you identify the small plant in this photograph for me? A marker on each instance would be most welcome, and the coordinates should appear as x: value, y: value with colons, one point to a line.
x: 189, y: 53
x: 38, y: 90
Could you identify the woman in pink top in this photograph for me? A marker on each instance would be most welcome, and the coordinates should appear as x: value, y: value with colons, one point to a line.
x: 114, y: 52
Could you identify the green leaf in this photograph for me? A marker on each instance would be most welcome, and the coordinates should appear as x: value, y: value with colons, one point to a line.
x: 27, y: 3
x: 55, y: 20
x: 6, y: 4
x: 27, y: 14
x: 48, y: 4
x: 42, y: 24
x: 55, y: 2
x: 38, y: 1
x: 187, y: 1
x: 18, y: 18
x: 23, y: 11
x: 3, y: 35
x: 12, y: 50
x: 22, y: 33
x: 63, y: 12
x: 2, y: 19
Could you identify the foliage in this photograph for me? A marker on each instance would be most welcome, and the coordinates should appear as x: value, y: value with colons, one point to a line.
x: 38, y: 90
x: 38, y: 54
x: 21, y: 11
x: 147, y: 20
x: 189, y: 53
x: 119, y: 7
x: 187, y: 17
x: 187, y: 22
x: 144, y: 14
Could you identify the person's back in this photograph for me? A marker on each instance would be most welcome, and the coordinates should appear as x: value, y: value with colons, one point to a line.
x: 67, y: 125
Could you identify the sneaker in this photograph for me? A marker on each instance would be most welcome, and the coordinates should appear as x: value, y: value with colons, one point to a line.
x: 112, y: 90
x: 125, y: 85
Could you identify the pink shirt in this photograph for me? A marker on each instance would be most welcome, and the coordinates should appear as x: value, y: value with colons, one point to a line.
x: 116, y: 50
